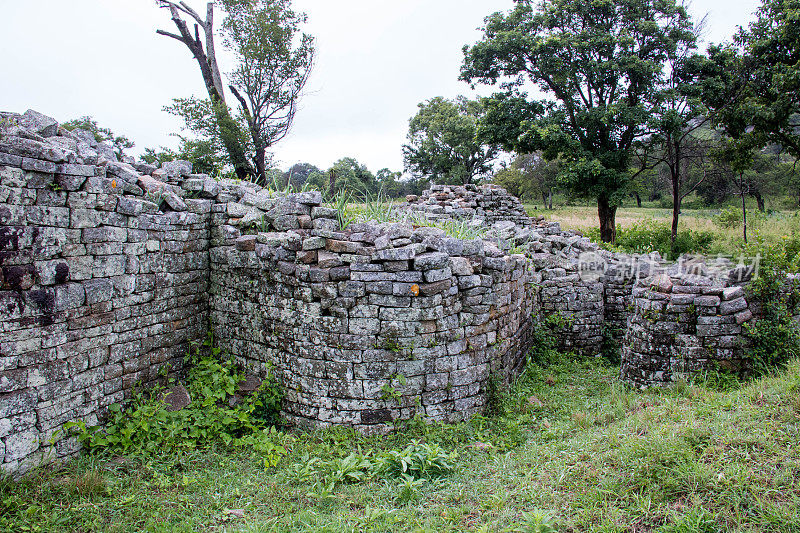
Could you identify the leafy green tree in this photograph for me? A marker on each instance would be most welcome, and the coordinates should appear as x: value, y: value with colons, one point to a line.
x: 200, y: 152
x: 601, y: 65
x: 530, y: 177
x: 299, y: 173
x: 273, y: 62
x: 443, y: 145
x: 347, y: 175
x: 752, y: 87
x: 119, y: 143
x: 216, y: 114
x: 389, y: 183
x: 771, y: 56
x: 681, y: 140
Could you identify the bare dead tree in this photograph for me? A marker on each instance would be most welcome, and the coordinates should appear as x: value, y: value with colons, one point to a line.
x: 207, y: 61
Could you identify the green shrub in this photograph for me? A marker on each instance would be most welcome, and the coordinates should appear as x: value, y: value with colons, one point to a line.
x: 730, y: 217
x: 145, y: 426
x: 419, y: 460
x: 774, y: 338
x: 649, y: 236
x: 544, y: 340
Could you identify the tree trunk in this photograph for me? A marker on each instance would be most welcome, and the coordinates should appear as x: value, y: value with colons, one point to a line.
x: 206, y: 59
x: 608, y: 220
x: 676, y: 207
x: 675, y: 177
x: 550, y: 198
x: 332, y: 184
x: 744, y: 208
x: 261, y: 168
x: 228, y: 130
x: 638, y: 199
x: 676, y: 213
x: 544, y: 199
x: 759, y: 200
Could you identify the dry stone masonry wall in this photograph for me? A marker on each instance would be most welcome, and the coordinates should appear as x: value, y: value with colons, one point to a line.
x: 483, y: 204
x: 99, y: 285
x: 369, y: 324
x: 109, y: 268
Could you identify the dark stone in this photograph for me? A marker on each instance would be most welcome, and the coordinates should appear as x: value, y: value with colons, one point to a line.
x: 376, y: 416
x: 62, y: 273
x: 177, y: 398
x: 43, y: 298
x: 19, y: 278
x: 250, y: 384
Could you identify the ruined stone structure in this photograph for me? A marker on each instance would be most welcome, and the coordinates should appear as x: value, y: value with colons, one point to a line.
x: 108, y: 269
x: 483, y: 204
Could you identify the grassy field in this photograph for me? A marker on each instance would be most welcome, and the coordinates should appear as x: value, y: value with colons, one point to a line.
x: 772, y: 226
x: 568, y: 448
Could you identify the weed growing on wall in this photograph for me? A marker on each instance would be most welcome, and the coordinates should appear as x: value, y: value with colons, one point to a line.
x: 146, y: 426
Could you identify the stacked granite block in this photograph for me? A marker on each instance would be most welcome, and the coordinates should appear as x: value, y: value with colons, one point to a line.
x: 109, y: 267
x: 369, y: 324
x: 485, y: 204
x: 679, y: 325
x: 101, y: 281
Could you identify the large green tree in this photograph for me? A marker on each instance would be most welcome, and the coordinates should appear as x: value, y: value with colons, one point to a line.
x: 273, y: 60
x: 443, y: 144
x: 600, y: 65
x: 771, y: 56
x: 347, y: 175
x: 752, y: 87
x: 530, y: 177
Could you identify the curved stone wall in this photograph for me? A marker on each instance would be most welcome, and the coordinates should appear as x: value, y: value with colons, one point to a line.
x: 484, y: 204
x: 679, y: 325
x: 370, y: 324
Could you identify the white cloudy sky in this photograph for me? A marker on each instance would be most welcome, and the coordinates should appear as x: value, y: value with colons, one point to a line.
x: 376, y: 60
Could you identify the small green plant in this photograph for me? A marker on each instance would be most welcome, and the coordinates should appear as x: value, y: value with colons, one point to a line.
x: 730, y: 217
x: 650, y: 236
x: 537, y: 522
x: 344, y: 214
x: 460, y: 229
x: 145, y: 425
x: 408, y: 488
x: 417, y: 460
x: 695, y: 521
x: 774, y: 338
x: 157, y: 198
x: 610, y: 349
x: 389, y: 392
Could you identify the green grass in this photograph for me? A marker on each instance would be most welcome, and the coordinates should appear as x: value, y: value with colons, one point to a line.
x: 567, y: 441
x: 772, y: 227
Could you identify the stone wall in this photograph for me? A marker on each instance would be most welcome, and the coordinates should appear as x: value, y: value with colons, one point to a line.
x: 109, y: 268
x: 99, y: 286
x: 483, y: 204
x: 370, y: 324
x: 679, y: 325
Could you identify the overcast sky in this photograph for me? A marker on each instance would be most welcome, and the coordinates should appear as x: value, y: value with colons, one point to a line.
x: 376, y: 59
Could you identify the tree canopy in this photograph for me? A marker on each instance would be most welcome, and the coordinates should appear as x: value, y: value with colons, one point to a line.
x: 443, y: 143
x: 600, y: 64
x: 273, y: 60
